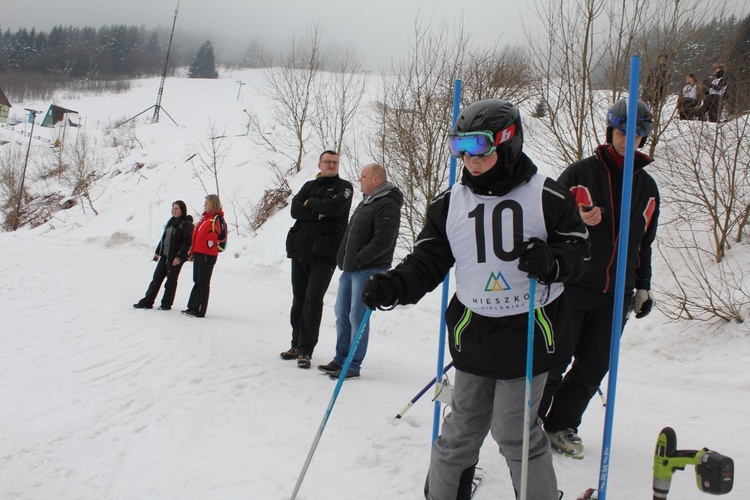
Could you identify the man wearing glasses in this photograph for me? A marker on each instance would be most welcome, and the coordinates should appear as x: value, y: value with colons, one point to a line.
x: 321, y: 209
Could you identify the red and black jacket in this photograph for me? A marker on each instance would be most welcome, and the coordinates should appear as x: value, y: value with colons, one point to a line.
x: 597, y: 180
x: 209, y: 233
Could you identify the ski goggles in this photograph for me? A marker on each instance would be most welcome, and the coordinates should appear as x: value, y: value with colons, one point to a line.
x: 478, y: 144
x: 643, y: 124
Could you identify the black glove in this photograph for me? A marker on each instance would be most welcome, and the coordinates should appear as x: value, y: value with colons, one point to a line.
x: 382, y: 290
x: 642, y: 303
x: 538, y: 260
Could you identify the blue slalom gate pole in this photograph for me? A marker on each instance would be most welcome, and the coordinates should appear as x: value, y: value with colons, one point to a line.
x: 622, y: 255
x: 446, y: 281
x: 527, y: 408
x: 344, y: 370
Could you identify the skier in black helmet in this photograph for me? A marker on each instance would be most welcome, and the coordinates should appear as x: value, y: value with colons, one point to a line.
x: 596, y: 183
x: 501, y: 224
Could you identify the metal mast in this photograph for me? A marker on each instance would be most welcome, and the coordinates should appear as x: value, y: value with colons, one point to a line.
x: 157, y: 107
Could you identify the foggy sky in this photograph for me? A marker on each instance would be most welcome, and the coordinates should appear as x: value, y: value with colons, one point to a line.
x: 375, y: 29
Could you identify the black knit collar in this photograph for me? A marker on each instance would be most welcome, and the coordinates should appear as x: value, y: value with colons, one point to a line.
x: 500, y: 181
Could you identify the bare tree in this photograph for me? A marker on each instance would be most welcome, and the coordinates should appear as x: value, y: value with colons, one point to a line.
x: 337, y: 101
x: 497, y: 73
x: 211, y: 156
x: 54, y: 160
x: 706, y: 186
x: 699, y: 289
x: 84, y: 169
x: 11, y: 164
x: 626, y: 19
x: 124, y: 139
x: 291, y: 86
x: 667, y: 28
x: 414, y: 117
x: 588, y: 47
x: 705, y: 173
x: 565, y: 61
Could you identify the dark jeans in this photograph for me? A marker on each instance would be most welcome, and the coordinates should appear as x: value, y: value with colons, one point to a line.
x: 591, y: 330
x: 309, y: 284
x: 203, y: 268
x: 163, y: 270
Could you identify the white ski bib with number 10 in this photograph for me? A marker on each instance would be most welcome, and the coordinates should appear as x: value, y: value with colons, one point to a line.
x: 486, y: 233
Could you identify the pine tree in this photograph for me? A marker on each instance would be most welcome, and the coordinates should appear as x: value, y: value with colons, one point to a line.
x: 203, y: 65
x: 540, y: 111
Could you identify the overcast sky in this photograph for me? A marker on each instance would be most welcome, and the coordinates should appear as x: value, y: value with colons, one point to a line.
x: 376, y: 29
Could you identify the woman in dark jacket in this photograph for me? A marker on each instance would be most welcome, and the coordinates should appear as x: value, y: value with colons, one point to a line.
x: 170, y: 254
x: 209, y: 238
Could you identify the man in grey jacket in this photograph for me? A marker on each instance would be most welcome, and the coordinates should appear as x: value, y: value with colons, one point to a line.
x: 367, y: 248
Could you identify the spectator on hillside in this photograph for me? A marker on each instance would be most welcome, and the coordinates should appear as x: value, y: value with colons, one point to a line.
x: 689, y: 99
x: 209, y: 238
x: 656, y: 83
x: 321, y: 209
x: 717, y: 87
x: 171, y: 252
x: 368, y: 246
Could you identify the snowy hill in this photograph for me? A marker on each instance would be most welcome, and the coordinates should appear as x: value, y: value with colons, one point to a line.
x: 104, y: 401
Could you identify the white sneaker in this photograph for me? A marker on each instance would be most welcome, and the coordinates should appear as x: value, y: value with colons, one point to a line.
x: 567, y: 442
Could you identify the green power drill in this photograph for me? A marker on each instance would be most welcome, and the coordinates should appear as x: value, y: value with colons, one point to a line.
x: 714, y: 472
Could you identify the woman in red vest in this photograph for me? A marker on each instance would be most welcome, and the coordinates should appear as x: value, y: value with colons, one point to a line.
x: 209, y: 238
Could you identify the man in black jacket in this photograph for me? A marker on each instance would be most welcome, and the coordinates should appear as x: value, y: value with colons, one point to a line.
x: 368, y: 246
x: 502, y: 224
x: 321, y: 209
x: 717, y: 88
x: 657, y: 82
x: 596, y: 183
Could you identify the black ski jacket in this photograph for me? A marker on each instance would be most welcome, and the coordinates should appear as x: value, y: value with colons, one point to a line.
x: 370, y: 237
x: 597, y: 180
x: 182, y: 236
x: 321, y: 209
x: 489, y: 346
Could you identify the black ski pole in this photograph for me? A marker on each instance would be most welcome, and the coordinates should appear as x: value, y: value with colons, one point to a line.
x: 421, y: 393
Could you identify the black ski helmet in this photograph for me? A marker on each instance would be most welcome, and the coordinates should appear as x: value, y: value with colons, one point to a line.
x: 617, y: 118
x: 495, y: 116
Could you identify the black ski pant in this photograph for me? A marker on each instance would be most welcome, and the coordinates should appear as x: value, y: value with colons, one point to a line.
x: 591, y: 332
x: 689, y: 109
x: 310, y: 281
x: 203, y: 268
x: 712, y: 105
x: 164, y: 269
